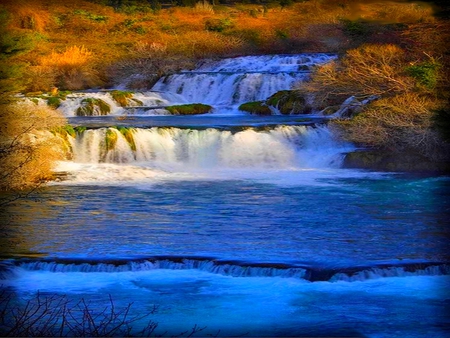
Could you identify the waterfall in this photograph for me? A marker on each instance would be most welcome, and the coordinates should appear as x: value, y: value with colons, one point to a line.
x: 224, y: 84
x: 236, y: 269
x: 279, y: 147
x: 243, y: 79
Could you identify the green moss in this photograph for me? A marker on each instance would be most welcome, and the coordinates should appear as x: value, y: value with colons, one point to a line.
x: 128, y: 134
x: 121, y: 97
x: 189, y: 109
x: 93, y: 107
x: 110, y: 139
x: 54, y: 101
x: 79, y: 129
x: 256, y: 107
x: 289, y: 102
x: 426, y: 74
x: 34, y: 100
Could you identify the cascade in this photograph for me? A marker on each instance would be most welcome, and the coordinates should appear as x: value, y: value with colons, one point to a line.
x: 224, y: 84
x: 243, y: 79
x: 278, y: 147
x: 235, y: 269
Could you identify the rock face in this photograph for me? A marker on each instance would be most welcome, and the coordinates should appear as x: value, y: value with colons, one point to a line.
x: 388, y: 161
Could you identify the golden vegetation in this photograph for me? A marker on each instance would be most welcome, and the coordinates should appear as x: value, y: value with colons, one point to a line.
x: 27, y: 149
x: 110, y: 36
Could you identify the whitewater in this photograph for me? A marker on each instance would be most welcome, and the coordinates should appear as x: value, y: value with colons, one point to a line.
x: 242, y: 225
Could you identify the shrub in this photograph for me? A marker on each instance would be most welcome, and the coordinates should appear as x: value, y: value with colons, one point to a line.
x: 150, y: 61
x: 189, y: 109
x: 402, y: 122
x: 27, y: 148
x: 363, y: 72
x: 203, y: 8
x: 256, y: 107
x: 426, y: 73
x: 58, y: 316
x: 218, y: 25
x: 73, y: 68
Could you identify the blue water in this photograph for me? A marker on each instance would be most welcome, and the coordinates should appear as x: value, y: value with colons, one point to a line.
x: 385, y: 220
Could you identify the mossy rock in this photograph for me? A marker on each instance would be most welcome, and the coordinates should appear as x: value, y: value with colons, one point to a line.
x: 110, y: 139
x: 93, y: 107
x: 121, y: 97
x: 289, y: 102
x: 256, y: 108
x: 189, y: 109
x: 128, y: 134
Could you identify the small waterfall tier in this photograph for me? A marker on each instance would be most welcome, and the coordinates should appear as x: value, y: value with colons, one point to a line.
x: 237, y: 80
x: 250, y: 147
x: 222, y: 85
x: 308, y: 272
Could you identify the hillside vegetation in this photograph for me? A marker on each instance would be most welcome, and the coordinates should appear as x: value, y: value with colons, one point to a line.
x: 76, y: 44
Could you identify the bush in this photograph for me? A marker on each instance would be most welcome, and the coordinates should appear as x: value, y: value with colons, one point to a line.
x: 399, y: 123
x: 27, y: 148
x: 363, y: 72
x: 218, y: 25
x: 426, y: 74
x: 72, y: 69
x: 54, y: 102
